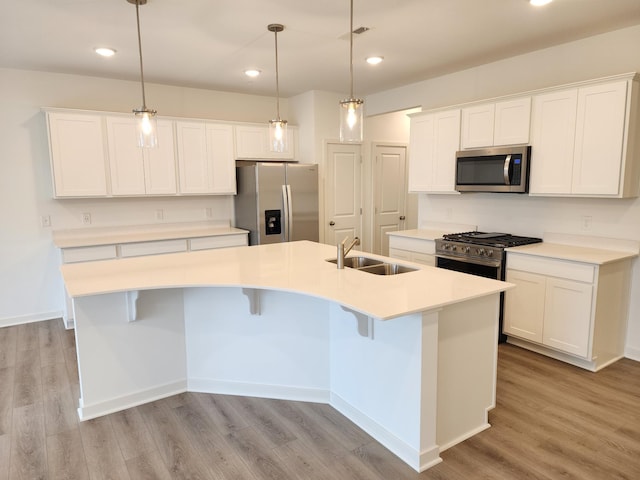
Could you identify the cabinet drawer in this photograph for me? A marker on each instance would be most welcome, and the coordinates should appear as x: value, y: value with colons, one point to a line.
x: 152, y: 248
x: 424, y: 258
x: 220, y: 241
x: 88, y: 254
x: 581, y: 272
x: 412, y: 244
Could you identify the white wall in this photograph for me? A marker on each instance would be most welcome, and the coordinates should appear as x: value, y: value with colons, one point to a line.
x: 593, y: 57
x: 30, y: 284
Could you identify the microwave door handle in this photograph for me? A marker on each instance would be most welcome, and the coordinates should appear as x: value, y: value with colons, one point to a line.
x: 505, y: 170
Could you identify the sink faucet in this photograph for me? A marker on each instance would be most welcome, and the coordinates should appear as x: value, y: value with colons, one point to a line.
x: 342, y: 250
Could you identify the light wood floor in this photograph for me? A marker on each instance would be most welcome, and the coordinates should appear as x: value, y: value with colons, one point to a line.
x: 552, y: 421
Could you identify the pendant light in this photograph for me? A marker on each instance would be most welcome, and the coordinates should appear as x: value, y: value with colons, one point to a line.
x: 277, y: 127
x: 351, y: 108
x: 146, y: 123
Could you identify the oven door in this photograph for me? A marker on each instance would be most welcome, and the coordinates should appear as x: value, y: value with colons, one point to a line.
x: 488, y: 270
x: 494, y: 270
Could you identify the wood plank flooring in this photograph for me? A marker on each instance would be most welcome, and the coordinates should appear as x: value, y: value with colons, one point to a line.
x: 552, y: 421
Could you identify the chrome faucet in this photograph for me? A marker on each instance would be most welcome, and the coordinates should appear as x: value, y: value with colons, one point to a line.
x: 342, y: 250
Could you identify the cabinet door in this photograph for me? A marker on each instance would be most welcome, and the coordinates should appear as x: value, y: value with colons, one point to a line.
x: 160, y: 162
x: 434, y: 140
x: 524, y: 305
x: 220, y: 152
x: 252, y: 142
x: 126, y: 162
x: 194, y: 167
x: 553, y: 126
x: 567, y: 324
x: 78, y: 153
x: 512, y: 121
x: 478, y: 125
x: 599, y: 138
x: 421, y: 141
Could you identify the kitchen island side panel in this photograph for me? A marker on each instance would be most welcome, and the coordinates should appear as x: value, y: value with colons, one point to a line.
x: 130, y: 349
x: 281, y: 351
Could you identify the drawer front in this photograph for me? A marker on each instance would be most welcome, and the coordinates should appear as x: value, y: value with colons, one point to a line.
x: 412, y: 244
x: 152, y: 248
x: 424, y: 258
x: 220, y: 241
x: 88, y: 254
x: 581, y: 272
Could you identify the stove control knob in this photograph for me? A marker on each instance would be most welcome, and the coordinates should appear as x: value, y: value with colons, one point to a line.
x: 453, y: 248
x: 490, y: 253
x: 445, y: 246
x: 465, y: 249
x: 481, y: 252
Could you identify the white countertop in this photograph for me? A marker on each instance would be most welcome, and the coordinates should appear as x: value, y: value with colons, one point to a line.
x: 575, y: 253
x: 86, y: 237
x: 298, y: 267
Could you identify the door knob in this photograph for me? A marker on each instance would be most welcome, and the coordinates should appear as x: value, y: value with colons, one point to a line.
x: 402, y: 217
x: 332, y: 223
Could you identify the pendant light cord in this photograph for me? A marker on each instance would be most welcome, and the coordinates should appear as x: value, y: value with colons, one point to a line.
x: 144, y: 101
x: 277, y: 81
x: 351, y: 49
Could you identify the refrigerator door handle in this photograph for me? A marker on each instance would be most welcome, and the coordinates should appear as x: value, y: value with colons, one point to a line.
x: 286, y: 200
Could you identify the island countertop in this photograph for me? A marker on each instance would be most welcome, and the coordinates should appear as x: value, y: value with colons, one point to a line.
x: 298, y: 267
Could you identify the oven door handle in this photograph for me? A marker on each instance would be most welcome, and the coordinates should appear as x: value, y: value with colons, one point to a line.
x: 487, y: 263
x: 505, y: 170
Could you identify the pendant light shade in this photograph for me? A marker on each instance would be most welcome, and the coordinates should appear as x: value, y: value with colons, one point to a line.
x: 351, y: 109
x: 146, y: 123
x: 278, y: 134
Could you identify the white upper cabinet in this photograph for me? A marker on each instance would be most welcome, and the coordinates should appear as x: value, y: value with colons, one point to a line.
x: 252, y: 143
x: 512, y: 122
x: 205, y: 158
x: 78, y: 155
x: 496, y: 123
x: 477, y: 126
x: 598, y: 156
x: 582, y: 141
x: 434, y: 141
x: 140, y: 171
x: 553, y: 131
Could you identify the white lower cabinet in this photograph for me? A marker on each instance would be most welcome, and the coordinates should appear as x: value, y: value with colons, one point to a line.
x: 572, y: 311
x: 412, y: 249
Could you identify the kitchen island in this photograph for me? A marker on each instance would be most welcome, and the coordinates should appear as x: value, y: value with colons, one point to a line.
x: 410, y: 358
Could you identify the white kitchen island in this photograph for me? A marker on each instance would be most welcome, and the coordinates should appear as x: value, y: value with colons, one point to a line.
x: 410, y: 358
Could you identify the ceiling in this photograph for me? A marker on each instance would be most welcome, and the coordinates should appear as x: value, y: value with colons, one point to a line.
x: 209, y: 43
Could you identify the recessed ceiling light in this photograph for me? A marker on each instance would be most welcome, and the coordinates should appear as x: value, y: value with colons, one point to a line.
x: 105, y: 51
x: 374, y: 60
x: 252, y: 72
x: 539, y: 3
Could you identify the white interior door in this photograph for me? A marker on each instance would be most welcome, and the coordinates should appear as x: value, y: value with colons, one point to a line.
x: 389, y: 194
x: 343, y: 203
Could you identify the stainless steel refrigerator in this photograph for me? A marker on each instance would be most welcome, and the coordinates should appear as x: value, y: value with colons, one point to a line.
x: 277, y: 202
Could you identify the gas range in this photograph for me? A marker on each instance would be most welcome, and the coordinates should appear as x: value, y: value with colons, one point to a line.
x: 479, y: 247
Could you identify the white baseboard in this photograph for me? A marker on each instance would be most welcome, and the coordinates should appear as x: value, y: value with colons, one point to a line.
x: 280, y: 392
x: 34, y: 317
x: 87, y: 412
x: 418, y: 460
x: 632, y: 353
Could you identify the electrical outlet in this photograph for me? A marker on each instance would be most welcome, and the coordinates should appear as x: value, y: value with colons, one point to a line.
x: 208, y: 212
x: 86, y: 218
x: 45, y: 221
x: 586, y: 222
x: 159, y: 214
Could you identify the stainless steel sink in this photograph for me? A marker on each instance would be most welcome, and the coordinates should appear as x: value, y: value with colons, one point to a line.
x: 357, y: 262
x: 387, y: 269
x: 374, y: 266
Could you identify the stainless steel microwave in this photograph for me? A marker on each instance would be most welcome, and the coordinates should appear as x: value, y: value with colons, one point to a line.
x: 499, y: 169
